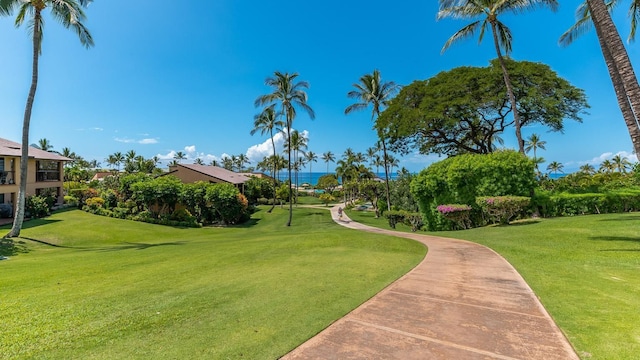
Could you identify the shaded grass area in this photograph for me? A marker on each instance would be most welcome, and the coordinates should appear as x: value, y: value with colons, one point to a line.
x: 584, y: 269
x: 93, y: 287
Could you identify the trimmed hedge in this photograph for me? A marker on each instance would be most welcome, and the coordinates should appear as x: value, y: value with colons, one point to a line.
x: 566, y: 204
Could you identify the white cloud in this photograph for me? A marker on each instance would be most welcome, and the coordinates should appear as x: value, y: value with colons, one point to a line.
x: 258, y: 152
x: 124, y: 140
x: 148, y: 141
x: 596, y: 161
x: 190, y: 149
x: 97, y: 129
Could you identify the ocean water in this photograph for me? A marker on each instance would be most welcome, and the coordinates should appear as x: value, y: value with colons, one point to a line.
x: 305, y: 177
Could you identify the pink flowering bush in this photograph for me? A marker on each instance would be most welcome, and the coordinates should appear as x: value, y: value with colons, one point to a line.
x: 458, y: 213
x: 502, y: 208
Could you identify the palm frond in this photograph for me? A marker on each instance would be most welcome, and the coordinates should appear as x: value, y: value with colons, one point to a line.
x: 464, y: 33
x: 504, y: 37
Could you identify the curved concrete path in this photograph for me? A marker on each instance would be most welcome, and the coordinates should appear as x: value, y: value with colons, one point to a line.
x: 463, y: 301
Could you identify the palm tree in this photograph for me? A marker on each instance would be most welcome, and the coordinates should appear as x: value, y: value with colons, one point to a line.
x: 214, y: 162
x: 179, y: 156
x: 371, y: 154
x: 70, y: 14
x: 298, y: 144
x: 587, y: 169
x: 534, y: 143
x: 555, y: 167
x: 620, y: 164
x: 267, y: 122
x: 371, y: 90
x: 227, y: 163
x: 623, y: 78
x: 242, y: 159
x: 118, y: 159
x: 289, y: 94
x: 327, y: 158
x: 198, y: 161
x: 310, y: 157
x: 45, y: 144
x: 490, y: 10
x: 606, y: 167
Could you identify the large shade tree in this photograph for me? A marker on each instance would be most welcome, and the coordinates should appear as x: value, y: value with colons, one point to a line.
x: 70, y: 14
x: 464, y: 110
x: 623, y: 78
x: 289, y: 94
x: 372, y: 91
x: 488, y: 12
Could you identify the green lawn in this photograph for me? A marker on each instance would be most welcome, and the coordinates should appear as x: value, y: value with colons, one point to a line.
x: 584, y: 269
x: 104, y: 288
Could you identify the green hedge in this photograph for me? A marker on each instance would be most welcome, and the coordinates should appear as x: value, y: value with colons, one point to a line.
x: 565, y: 204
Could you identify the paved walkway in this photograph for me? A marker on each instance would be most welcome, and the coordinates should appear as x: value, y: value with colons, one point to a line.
x: 463, y: 301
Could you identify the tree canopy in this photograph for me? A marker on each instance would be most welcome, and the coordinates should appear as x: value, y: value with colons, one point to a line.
x: 466, y: 109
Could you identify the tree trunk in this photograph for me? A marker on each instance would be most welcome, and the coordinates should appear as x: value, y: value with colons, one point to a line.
x: 620, y: 69
x: 386, y: 169
x: 289, y: 168
x: 24, y: 160
x: 512, y: 97
x: 275, y: 167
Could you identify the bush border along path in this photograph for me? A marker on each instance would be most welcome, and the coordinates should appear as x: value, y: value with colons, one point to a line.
x: 462, y: 301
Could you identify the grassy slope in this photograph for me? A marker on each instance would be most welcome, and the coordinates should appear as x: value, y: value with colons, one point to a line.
x: 584, y: 269
x: 122, y: 289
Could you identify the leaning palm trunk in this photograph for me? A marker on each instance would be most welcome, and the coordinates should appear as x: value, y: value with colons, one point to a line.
x: 24, y: 160
x: 512, y: 97
x: 620, y: 69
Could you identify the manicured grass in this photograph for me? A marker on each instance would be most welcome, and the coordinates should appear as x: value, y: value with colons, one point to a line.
x: 584, y: 269
x: 121, y: 289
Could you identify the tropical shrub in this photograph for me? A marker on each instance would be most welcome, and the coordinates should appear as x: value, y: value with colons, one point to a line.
x: 460, y: 179
x: 36, y: 206
x: 94, y: 203
x: 229, y: 205
x: 502, y: 209
x: 257, y: 188
x: 326, y: 198
x: 394, y: 217
x: 70, y: 200
x: 411, y: 219
x: 459, y: 214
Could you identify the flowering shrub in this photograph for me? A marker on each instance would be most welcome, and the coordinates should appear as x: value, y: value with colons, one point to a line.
x: 502, y: 208
x: 458, y: 213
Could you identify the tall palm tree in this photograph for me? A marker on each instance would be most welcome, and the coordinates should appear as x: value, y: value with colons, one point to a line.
x: 606, y: 167
x: 490, y: 10
x: 555, y: 167
x: 242, y: 160
x: 290, y: 95
x: 620, y: 164
x: 45, y: 144
x: 70, y: 14
x: 198, y: 161
x: 310, y: 158
x: 118, y: 159
x: 327, y: 158
x: 179, y: 156
x: 587, y: 169
x: 534, y: 143
x: 623, y: 78
x: 267, y: 122
x: 372, y: 91
x: 371, y: 154
x: 298, y: 144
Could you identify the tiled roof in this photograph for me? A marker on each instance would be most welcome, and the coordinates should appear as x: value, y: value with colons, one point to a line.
x: 218, y: 173
x: 10, y: 148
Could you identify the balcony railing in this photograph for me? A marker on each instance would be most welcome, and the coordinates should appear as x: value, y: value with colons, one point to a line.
x: 7, y: 177
x: 47, y: 175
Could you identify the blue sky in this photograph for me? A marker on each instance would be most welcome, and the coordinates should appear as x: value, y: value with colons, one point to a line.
x: 164, y: 78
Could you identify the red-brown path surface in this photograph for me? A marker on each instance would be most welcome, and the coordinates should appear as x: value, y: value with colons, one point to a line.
x: 463, y: 301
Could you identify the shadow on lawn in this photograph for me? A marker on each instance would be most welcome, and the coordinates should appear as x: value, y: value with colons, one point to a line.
x: 11, y: 247
x: 623, y: 218
x: 616, y: 238
x: 138, y: 246
x: 123, y: 246
x: 518, y: 223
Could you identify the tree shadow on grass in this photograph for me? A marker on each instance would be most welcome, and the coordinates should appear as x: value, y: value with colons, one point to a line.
x: 623, y: 218
x: 518, y: 223
x: 616, y: 238
x: 122, y: 246
x: 138, y: 246
x: 11, y: 247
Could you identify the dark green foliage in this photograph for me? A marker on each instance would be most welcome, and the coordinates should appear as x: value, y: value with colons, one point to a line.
x: 160, y: 195
x: 400, y: 192
x: 501, y: 209
x: 567, y: 204
x: 327, y: 182
x: 257, y: 188
x: 37, y: 206
x: 411, y: 219
x: 460, y: 179
x: 230, y: 206
x: 193, y: 197
x: 465, y: 110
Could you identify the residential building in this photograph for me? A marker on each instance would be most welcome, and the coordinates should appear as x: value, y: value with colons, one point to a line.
x: 45, y: 172
x: 190, y: 173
